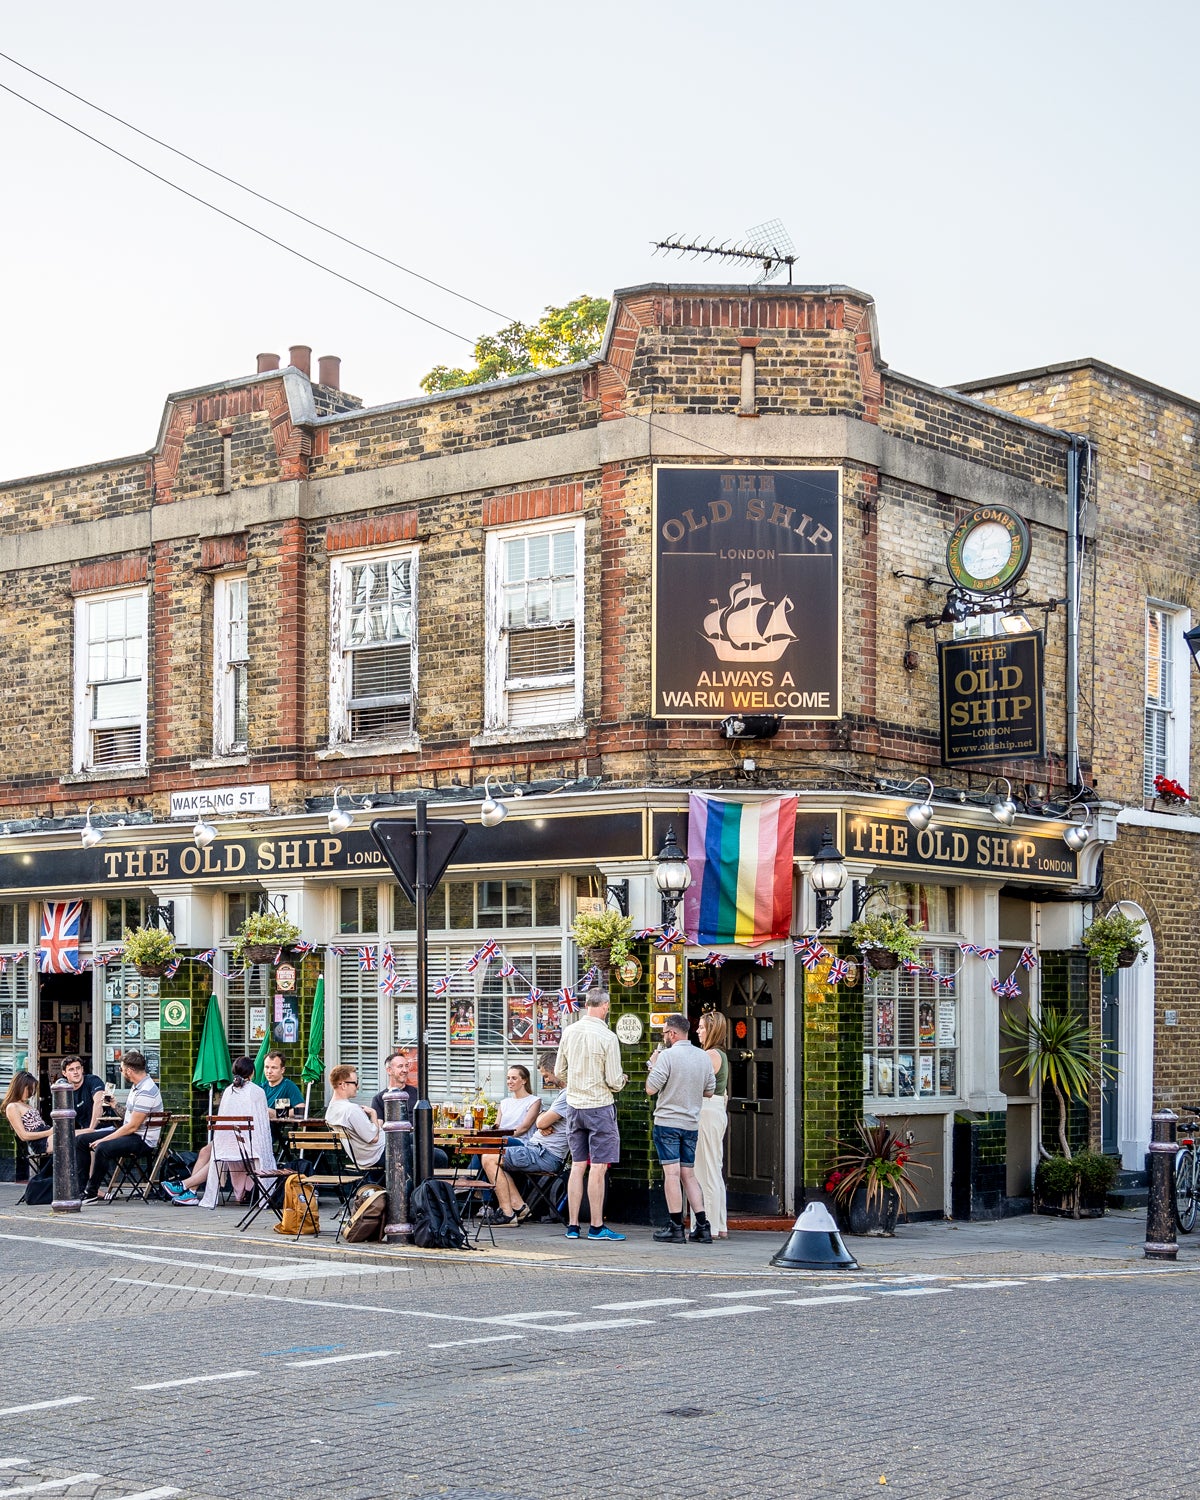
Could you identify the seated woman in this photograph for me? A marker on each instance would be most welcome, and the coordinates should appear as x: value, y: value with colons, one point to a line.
x: 517, y: 1118
x: 24, y: 1115
x: 242, y: 1097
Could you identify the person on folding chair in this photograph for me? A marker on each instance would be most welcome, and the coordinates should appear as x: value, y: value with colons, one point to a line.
x: 130, y: 1138
x: 243, y: 1097
x: 361, y: 1124
x: 543, y: 1148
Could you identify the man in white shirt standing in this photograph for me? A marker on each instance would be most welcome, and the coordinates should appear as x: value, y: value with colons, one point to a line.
x: 360, y: 1123
x: 589, y: 1063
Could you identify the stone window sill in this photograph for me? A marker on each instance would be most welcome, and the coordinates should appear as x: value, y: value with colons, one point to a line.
x: 534, y: 734
x: 366, y: 749
x: 114, y: 773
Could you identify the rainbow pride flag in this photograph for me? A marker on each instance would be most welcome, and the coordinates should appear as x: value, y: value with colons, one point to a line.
x: 741, y: 863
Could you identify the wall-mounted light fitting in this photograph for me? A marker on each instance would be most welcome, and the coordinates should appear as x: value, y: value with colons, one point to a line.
x: 492, y: 810
x: 340, y: 818
x: 1077, y: 835
x: 751, y: 726
x: 672, y: 876
x: 203, y: 833
x: 828, y: 879
x: 90, y: 835
x: 920, y: 814
x: 1004, y: 809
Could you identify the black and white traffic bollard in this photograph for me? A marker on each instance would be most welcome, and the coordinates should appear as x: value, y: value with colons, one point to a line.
x: 397, y: 1146
x: 66, y: 1174
x: 1160, y: 1211
x: 815, y: 1244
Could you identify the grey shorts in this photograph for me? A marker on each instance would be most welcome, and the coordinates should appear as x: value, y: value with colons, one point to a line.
x: 530, y: 1156
x: 592, y: 1135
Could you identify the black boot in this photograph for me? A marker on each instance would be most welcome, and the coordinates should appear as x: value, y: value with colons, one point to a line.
x: 701, y: 1234
x: 671, y: 1234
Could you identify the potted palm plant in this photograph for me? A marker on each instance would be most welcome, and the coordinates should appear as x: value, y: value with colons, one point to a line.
x: 261, y: 936
x: 604, y: 936
x: 151, y: 950
x: 871, y: 1179
x: 1114, y: 941
x: 1063, y: 1051
x: 885, y: 939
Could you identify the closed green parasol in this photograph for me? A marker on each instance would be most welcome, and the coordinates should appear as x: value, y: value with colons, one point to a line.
x: 314, y: 1062
x: 214, y: 1068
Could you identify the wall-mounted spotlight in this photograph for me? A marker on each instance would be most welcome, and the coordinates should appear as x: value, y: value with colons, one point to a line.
x: 1077, y: 835
x: 1004, y: 809
x: 203, y: 833
x: 492, y: 810
x: 920, y: 814
x: 340, y: 818
x: 89, y: 834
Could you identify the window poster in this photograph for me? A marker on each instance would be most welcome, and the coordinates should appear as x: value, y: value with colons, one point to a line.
x: 925, y: 1022
x: 947, y: 1029
x: 925, y: 1073
x: 548, y: 1019
x: 287, y: 1018
x: 258, y: 1022
x: 520, y: 1020
x: 462, y: 1023
x: 904, y: 1071
x: 885, y: 1021
x: 868, y: 1072
x: 886, y: 1077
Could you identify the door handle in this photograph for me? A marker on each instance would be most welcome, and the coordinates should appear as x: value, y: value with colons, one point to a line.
x: 745, y: 1056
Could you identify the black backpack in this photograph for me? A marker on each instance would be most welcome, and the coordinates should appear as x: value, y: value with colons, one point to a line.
x: 39, y: 1190
x: 435, y: 1220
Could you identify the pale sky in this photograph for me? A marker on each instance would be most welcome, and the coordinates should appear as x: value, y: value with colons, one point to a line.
x: 1014, y: 184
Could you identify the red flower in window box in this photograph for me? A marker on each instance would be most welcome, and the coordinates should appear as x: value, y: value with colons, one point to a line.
x: 1169, y: 791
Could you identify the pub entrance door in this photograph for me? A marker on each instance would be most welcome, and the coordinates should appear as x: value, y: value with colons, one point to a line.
x: 752, y: 1001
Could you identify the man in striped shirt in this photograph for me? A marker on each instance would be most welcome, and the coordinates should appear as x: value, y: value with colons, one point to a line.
x: 589, y: 1062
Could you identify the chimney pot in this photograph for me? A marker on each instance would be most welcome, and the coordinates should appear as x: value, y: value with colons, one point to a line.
x: 329, y: 368
x: 300, y: 358
x: 267, y: 362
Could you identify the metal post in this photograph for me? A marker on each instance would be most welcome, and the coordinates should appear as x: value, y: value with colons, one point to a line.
x: 422, y: 1114
x: 1160, y: 1211
x: 397, y: 1139
x: 66, y: 1175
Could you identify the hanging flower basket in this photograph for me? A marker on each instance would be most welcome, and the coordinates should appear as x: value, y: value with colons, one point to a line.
x: 151, y: 950
x: 151, y: 971
x: 882, y: 959
x: 260, y: 953
x: 1127, y: 958
x: 600, y: 958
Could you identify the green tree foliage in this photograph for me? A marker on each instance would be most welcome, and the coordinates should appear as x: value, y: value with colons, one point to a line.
x: 561, y: 336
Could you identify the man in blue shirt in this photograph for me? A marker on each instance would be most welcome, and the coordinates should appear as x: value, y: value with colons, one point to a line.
x: 283, y: 1097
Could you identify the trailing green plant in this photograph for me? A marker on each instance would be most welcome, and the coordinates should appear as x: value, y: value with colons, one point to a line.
x: 604, y: 929
x: 1109, y: 936
x: 149, y: 947
x: 884, y: 929
x: 878, y: 1160
x: 1056, y: 1048
x: 264, y: 929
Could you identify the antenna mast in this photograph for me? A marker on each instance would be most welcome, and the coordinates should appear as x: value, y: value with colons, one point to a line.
x: 769, y: 244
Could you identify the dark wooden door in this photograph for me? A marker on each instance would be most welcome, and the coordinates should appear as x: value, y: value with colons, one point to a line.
x: 751, y: 998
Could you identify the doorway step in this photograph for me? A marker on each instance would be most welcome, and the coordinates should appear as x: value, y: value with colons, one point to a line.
x: 773, y: 1222
x: 1131, y: 1190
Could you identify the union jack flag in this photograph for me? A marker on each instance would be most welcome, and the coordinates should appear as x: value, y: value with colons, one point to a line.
x: 3, y: 962
x: 366, y: 960
x: 508, y: 970
x: 911, y: 966
x: 813, y: 957
x: 58, y: 946
x: 988, y: 953
x: 110, y: 955
x: 967, y: 948
x: 567, y: 1001
x: 803, y: 945
x: 387, y: 985
x: 535, y: 994
x: 442, y: 985
x: 482, y: 956
x: 648, y: 932
x: 173, y: 967
x: 592, y: 974
x: 206, y: 957
x: 335, y: 950
x: 303, y: 948
x: 669, y: 937
x: 764, y: 960
x: 1028, y: 959
x: 714, y: 960
x: 403, y: 984
x: 947, y: 980
x: 839, y: 970
x: 389, y: 959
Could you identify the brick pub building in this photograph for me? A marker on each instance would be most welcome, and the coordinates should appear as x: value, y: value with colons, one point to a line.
x: 296, y: 606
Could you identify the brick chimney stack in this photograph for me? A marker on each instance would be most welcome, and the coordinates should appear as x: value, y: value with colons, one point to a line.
x: 329, y: 371
x: 267, y: 362
x: 300, y: 358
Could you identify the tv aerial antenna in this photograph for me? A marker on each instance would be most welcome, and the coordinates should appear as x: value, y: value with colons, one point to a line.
x: 770, y: 244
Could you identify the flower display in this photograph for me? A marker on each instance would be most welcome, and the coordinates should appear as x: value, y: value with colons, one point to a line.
x: 1169, y: 791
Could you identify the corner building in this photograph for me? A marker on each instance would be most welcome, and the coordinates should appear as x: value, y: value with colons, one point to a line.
x: 712, y: 559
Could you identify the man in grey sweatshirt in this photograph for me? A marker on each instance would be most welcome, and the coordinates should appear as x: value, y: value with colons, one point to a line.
x: 680, y: 1079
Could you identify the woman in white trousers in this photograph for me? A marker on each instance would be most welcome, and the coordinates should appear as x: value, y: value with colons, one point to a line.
x: 710, y: 1145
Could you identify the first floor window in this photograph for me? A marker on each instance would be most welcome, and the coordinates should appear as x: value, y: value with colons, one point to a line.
x: 110, y: 680
x: 231, y: 664
x: 536, y: 620
x: 372, y: 657
x: 1167, y: 741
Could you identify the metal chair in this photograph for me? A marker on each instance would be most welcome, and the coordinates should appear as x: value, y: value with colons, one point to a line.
x: 132, y: 1170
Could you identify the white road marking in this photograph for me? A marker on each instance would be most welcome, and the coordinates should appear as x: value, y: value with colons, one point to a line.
x: 758, y: 1291
x: 164, y: 1492
x: 599, y: 1323
x: 51, y: 1484
x: 12, y: 1411
x: 730, y: 1310
x: 213, y: 1291
x: 13, y: 1463
x: 816, y: 1301
x: 978, y: 1286
x: 645, y: 1302
x: 525, y: 1317
x: 296, y: 1271
x: 495, y: 1338
x: 338, y: 1359
x: 914, y: 1291
x: 170, y: 1385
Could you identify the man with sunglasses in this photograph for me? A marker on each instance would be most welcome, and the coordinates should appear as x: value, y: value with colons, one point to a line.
x: 360, y: 1122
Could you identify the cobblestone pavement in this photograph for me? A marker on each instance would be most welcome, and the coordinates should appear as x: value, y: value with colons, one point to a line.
x: 155, y: 1362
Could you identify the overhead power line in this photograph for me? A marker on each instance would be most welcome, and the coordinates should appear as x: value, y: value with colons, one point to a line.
x: 254, y: 193
x: 233, y: 218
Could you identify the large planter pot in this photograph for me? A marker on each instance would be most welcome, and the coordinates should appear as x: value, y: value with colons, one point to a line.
x: 1062, y: 1206
x: 882, y: 959
x: 1127, y: 958
x: 260, y: 953
x: 879, y: 1218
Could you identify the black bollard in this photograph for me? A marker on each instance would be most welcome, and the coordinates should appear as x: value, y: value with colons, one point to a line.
x: 66, y: 1175
x: 397, y: 1138
x: 1160, y: 1211
x: 423, y: 1140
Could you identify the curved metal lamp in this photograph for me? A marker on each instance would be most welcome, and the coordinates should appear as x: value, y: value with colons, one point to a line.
x: 90, y: 835
x: 1004, y: 809
x: 920, y: 814
x: 340, y: 818
x: 1077, y: 835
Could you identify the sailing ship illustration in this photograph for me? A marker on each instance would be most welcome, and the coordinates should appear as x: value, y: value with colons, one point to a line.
x: 750, y: 627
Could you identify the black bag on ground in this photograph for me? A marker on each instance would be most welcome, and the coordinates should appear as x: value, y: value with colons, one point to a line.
x: 39, y: 1190
x: 434, y: 1214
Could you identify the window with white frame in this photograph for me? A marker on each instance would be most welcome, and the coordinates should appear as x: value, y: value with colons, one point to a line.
x: 373, y: 655
x: 1167, y: 745
x: 910, y: 1018
x: 535, y: 617
x: 110, y: 680
x: 15, y: 1043
x: 231, y: 663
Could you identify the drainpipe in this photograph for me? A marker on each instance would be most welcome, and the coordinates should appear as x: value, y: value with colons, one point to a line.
x: 1073, y: 777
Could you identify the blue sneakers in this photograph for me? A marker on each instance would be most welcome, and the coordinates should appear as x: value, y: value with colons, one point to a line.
x: 185, y: 1198
x: 174, y: 1190
x: 572, y: 1232
x: 604, y: 1233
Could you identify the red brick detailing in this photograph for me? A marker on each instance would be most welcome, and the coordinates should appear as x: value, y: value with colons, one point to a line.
x: 290, y: 648
x: 615, y: 686
x: 113, y: 573
x: 377, y: 531
x: 166, y: 460
x: 292, y: 444
x: 533, y: 505
x: 858, y: 319
x: 749, y: 343
x: 222, y: 551
x: 613, y: 375
x: 164, y: 671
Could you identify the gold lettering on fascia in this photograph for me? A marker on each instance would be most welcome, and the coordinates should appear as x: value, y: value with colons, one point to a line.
x: 941, y: 846
x: 228, y: 859
x: 752, y: 496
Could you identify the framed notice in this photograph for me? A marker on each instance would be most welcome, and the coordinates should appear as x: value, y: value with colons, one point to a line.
x: 746, y: 592
x: 462, y: 1023
x: 258, y: 1022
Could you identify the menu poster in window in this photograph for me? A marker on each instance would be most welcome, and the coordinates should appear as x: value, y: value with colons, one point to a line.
x: 406, y: 1022
x: 868, y: 1068
x: 462, y: 1023
x: 925, y: 1073
x: 946, y: 1073
x: 925, y: 1025
x: 946, y: 1023
x: 258, y: 1022
x: 885, y: 1022
x: 885, y: 1076
x: 287, y: 1018
x: 23, y: 1023
x: 520, y: 1020
x: 6, y: 1022
x: 904, y: 1068
x: 549, y: 1023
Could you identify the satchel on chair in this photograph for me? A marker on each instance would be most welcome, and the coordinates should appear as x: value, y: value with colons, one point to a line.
x: 300, y: 1211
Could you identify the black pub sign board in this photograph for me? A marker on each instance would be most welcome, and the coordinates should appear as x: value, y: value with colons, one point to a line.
x: 992, y: 699
x: 747, y: 592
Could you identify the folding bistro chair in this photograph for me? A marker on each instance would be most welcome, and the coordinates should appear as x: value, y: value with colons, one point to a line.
x: 263, y: 1180
x: 472, y: 1193
x: 227, y: 1128
x: 133, y: 1171
x: 150, y: 1187
x: 543, y: 1189
x: 321, y: 1153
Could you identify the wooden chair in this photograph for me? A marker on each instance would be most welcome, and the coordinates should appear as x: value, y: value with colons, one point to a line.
x: 132, y: 1172
x: 151, y: 1186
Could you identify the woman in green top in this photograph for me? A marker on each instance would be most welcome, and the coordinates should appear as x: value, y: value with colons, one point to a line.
x: 710, y: 1145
